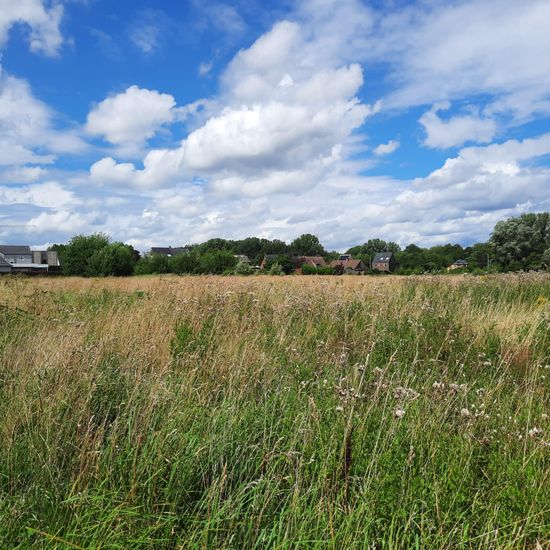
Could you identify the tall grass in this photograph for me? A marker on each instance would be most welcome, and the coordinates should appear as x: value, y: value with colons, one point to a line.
x: 300, y: 412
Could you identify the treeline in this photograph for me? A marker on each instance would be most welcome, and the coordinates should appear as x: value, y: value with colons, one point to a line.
x: 516, y: 244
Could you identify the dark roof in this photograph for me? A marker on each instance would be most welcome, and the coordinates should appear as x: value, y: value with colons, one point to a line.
x: 168, y: 251
x: 344, y: 257
x: 14, y: 249
x: 460, y: 262
x: 382, y: 257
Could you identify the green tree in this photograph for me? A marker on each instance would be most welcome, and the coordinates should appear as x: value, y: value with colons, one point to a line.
x: 77, y: 254
x: 519, y: 243
x: 307, y: 245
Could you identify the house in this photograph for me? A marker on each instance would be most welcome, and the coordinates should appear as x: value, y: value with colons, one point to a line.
x: 459, y: 264
x: 16, y: 254
x: 242, y: 258
x: 344, y: 257
x: 168, y: 251
x: 19, y: 259
x: 313, y: 261
x: 348, y: 266
x: 384, y: 261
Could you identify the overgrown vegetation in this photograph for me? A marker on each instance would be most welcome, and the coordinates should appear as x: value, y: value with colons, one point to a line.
x: 268, y: 412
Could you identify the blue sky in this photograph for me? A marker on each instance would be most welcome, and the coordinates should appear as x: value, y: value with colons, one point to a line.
x: 171, y: 122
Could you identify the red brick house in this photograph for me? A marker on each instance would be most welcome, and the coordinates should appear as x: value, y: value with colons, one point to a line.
x: 384, y: 261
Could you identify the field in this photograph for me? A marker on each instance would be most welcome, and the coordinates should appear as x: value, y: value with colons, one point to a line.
x: 275, y: 412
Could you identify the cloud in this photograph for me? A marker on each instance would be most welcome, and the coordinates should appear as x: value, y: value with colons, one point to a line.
x: 275, y: 115
x: 50, y: 195
x: 148, y: 30
x: 457, y: 130
x: 117, y: 120
x: 45, y: 36
x: 499, y: 48
x: 386, y: 148
x: 459, y: 202
x: 22, y: 174
x: 26, y: 124
x: 205, y: 68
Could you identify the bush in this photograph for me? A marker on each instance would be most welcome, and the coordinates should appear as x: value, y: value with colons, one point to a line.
x: 216, y: 262
x: 115, y: 259
x: 243, y: 268
x: 308, y: 270
x: 183, y: 263
x: 276, y: 269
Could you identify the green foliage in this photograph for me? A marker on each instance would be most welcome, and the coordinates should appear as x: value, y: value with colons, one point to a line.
x: 216, y: 262
x: 308, y: 270
x: 115, y: 259
x: 76, y: 255
x: 307, y: 245
x: 519, y: 243
x: 276, y: 269
x: 243, y: 268
x: 184, y: 263
x: 152, y: 263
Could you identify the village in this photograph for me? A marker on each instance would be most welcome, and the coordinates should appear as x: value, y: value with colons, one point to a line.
x: 22, y: 259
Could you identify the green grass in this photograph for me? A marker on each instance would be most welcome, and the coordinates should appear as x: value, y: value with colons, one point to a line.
x: 261, y: 413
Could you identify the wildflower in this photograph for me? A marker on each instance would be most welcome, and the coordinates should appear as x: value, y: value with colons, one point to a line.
x: 544, y: 416
x: 339, y: 408
x: 438, y: 385
x: 464, y: 412
x: 399, y: 413
x: 533, y: 432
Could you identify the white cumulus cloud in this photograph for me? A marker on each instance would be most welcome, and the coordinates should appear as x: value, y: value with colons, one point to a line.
x: 43, y: 21
x: 130, y: 118
x: 456, y: 130
x: 386, y: 148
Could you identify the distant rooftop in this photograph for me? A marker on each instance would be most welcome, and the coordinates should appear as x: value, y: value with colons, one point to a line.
x: 382, y: 257
x: 14, y: 249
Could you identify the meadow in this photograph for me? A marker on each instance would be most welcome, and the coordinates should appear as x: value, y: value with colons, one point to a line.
x: 275, y: 412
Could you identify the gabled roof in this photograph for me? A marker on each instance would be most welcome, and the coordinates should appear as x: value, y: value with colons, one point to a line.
x: 460, y: 262
x: 382, y: 257
x: 347, y: 264
x: 312, y: 260
x: 14, y: 249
